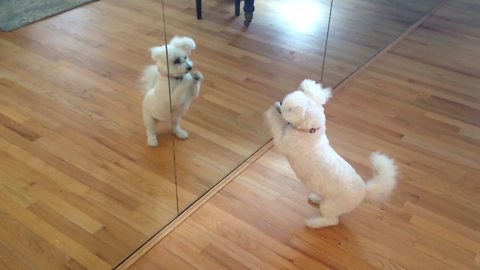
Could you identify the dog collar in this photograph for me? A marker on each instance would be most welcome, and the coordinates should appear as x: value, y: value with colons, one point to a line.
x: 178, y: 78
x: 312, y: 130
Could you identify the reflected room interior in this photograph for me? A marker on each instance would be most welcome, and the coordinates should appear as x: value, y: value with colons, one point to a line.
x: 360, y: 29
x: 245, y: 70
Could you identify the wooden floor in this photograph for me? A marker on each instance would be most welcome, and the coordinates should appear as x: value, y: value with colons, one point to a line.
x: 419, y: 103
x: 78, y: 187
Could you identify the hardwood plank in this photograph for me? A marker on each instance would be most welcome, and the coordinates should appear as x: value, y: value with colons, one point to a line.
x: 53, y: 236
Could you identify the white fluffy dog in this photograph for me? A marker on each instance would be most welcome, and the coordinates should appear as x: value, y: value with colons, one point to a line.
x: 298, y: 127
x: 174, y: 70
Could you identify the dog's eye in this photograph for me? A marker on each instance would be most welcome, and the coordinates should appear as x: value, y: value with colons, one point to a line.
x: 177, y: 61
x: 185, y: 58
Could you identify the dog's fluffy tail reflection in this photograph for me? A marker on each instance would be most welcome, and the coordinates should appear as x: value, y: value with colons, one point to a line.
x: 384, y: 179
x: 149, y: 77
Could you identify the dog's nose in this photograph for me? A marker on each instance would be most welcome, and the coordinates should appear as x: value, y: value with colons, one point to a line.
x: 281, y: 103
x: 189, y: 68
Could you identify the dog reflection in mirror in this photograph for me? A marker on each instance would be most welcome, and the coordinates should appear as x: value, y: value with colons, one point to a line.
x: 298, y: 127
x: 173, y: 68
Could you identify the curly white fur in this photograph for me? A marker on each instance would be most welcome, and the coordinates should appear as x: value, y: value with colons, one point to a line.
x: 298, y: 128
x: 173, y: 69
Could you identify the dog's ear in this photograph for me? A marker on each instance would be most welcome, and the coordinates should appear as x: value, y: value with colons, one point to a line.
x: 159, y: 53
x: 315, y: 91
x: 184, y: 43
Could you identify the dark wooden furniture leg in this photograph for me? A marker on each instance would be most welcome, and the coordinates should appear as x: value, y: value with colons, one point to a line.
x: 199, y: 9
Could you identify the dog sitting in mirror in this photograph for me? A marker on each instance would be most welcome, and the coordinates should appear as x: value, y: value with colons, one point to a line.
x: 173, y: 68
x: 298, y: 127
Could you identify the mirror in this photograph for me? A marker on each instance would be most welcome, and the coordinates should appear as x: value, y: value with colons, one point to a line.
x: 360, y: 29
x: 245, y: 70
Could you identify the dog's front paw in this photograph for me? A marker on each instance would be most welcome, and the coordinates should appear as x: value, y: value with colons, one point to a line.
x: 278, y: 106
x: 152, y: 141
x: 272, y: 113
x: 197, y: 75
x: 276, y: 110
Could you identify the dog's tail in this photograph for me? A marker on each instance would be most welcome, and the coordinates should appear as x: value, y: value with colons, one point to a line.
x: 384, y: 179
x: 149, y: 77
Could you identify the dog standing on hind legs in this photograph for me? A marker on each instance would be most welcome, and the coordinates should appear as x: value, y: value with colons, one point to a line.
x: 298, y: 127
x: 174, y: 70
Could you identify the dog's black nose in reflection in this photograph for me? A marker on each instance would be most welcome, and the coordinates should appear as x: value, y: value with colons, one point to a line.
x: 189, y: 68
x: 281, y: 103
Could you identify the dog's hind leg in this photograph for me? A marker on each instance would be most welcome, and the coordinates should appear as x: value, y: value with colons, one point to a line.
x: 314, y: 200
x: 321, y: 222
x: 150, y: 130
x: 330, y: 214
